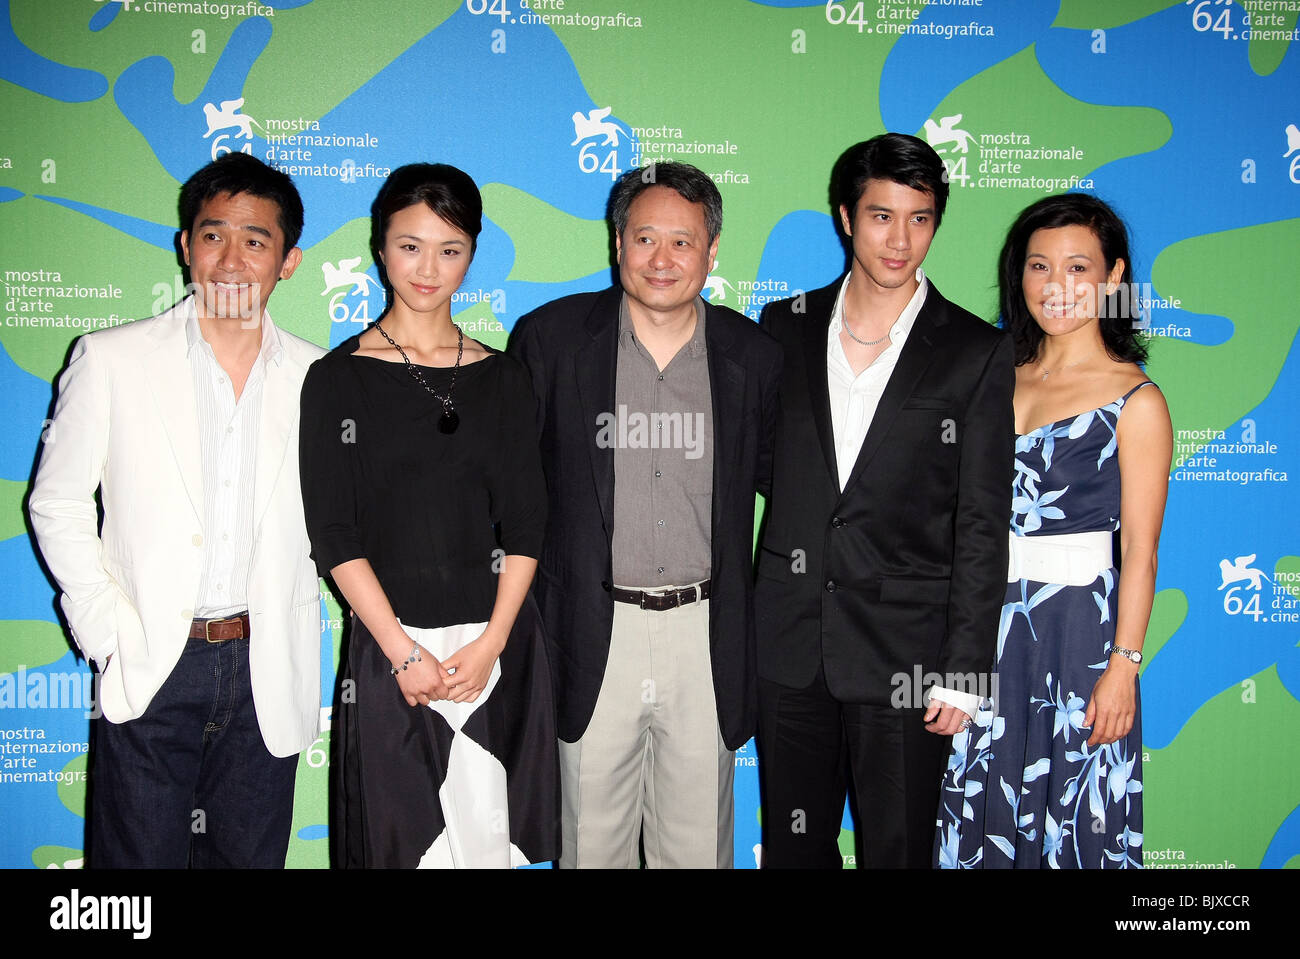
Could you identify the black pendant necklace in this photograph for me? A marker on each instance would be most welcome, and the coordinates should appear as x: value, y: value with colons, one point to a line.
x: 450, y: 419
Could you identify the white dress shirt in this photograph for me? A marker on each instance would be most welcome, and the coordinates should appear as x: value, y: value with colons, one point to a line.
x: 228, y: 440
x: 854, y: 398
x: 853, y: 402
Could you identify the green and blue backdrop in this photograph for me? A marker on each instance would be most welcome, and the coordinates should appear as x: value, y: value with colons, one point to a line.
x: 1183, y: 115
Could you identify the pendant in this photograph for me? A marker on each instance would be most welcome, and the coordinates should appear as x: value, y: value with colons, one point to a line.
x: 448, y: 422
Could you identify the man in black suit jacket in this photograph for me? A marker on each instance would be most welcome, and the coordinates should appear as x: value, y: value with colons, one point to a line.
x: 657, y: 413
x: 884, y: 556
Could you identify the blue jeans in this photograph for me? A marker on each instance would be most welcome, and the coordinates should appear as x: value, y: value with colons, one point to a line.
x: 190, y: 783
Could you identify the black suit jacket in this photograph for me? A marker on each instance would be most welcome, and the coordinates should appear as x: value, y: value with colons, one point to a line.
x: 907, y: 567
x: 570, y: 348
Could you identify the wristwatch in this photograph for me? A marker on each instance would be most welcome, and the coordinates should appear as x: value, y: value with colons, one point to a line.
x: 1132, y: 655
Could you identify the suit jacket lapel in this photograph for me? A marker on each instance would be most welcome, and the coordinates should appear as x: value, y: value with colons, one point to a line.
x: 167, y: 370
x: 727, y: 389
x: 912, y: 363
x: 595, y: 365
x: 279, y: 405
x: 820, y: 304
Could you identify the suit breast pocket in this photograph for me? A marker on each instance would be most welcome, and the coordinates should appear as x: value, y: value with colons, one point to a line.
x: 938, y: 409
x: 922, y: 401
x: 931, y: 426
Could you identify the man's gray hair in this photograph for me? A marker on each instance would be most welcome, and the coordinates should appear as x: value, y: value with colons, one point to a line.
x: 690, y: 183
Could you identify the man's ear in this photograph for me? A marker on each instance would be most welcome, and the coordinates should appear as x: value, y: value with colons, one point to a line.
x: 291, y: 261
x: 845, y: 221
x: 185, y: 246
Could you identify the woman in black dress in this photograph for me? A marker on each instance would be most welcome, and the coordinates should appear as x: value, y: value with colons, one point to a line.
x: 425, y: 502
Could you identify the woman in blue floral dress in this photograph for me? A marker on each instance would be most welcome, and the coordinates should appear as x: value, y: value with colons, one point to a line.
x: 1051, y: 774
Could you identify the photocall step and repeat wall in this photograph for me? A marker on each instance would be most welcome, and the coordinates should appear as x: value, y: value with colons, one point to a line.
x: 1183, y: 115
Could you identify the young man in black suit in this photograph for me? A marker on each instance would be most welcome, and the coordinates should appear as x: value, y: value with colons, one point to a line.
x: 657, y: 411
x: 884, y: 556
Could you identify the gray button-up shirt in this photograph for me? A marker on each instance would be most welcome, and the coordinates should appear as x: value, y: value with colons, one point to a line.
x: 662, y: 434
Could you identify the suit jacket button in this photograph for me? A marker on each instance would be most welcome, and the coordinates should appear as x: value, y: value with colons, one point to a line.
x: 830, y: 586
x: 837, y: 522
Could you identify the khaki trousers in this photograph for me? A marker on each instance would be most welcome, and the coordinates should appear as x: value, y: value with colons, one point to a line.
x: 652, y: 757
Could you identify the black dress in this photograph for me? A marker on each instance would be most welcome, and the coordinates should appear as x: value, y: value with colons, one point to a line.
x: 468, y: 784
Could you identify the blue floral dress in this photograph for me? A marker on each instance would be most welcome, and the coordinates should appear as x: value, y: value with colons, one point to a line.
x: 1023, y: 788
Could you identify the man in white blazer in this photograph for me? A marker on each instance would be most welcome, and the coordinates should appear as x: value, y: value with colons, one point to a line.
x: 197, y: 599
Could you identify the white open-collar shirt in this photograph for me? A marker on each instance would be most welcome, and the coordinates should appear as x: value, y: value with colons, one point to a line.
x: 228, y: 430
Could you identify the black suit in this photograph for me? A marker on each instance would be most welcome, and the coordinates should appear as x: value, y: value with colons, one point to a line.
x: 905, y: 568
x: 570, y: 348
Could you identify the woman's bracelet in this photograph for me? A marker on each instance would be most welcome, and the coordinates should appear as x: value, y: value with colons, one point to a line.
x: 413, y: 658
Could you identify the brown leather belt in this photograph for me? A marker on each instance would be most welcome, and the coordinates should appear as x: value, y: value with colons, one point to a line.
x: 660, y: 600
x: 221, y: 630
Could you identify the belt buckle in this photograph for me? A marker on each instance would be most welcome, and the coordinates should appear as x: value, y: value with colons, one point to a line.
x: 207, y: 629
x: 666, y: 598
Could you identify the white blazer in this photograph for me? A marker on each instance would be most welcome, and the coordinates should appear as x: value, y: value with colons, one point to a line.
x: 126, y: 422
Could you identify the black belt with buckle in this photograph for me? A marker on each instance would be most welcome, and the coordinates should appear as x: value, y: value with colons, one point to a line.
x: 221, y: 630
x: 660, y: 600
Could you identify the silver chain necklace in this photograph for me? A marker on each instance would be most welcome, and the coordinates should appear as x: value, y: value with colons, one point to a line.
x: 449, y: 420
x: 844, y: 321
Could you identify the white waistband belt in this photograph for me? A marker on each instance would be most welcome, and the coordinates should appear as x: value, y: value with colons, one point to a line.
x: 1072, y: 559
